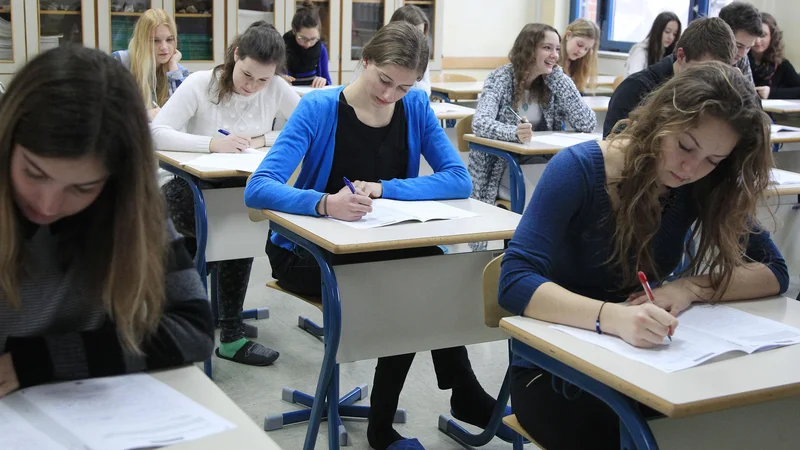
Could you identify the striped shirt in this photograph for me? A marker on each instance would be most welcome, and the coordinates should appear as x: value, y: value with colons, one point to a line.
x: 62, y: 332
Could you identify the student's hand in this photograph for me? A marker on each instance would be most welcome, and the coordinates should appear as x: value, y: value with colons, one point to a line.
x: 344, y: 205
x: 152, y: 113
x: 524, y: 132
x: 229, y: 144
x: 319, y: 82
x: 371, y: 190
x: 289, y: 79
x: 674, y: 297
x: 643, y: 325
x: 8, y: 376
x: 174, y: 60
x: 763, y: 91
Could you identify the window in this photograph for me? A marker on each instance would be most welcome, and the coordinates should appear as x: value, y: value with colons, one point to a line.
x: 626, y: 22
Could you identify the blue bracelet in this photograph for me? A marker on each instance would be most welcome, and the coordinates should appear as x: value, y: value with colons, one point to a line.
x: 597, y: 322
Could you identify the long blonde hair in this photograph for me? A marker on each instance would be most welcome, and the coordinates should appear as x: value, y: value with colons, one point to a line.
x: 584, y: 70
x: 118, y: 244
x: 725, y: 199
x: 152, y: 80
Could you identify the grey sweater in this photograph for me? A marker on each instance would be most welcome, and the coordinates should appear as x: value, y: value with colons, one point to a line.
x: 493, y: 120
x: 60, y: 332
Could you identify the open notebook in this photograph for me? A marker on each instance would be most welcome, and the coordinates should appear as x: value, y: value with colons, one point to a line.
x: 114, y: 413
x: 389, y: 212
x: 566, y: 139
x: 704, y: 332
x: 246, y: 161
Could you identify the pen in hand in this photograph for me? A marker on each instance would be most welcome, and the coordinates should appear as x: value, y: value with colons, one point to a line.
x: 521, y: 119
x: 349, y: 185
x: 649, y: 293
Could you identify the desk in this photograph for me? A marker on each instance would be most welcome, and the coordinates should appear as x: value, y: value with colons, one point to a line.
x: 451, y: 111
x: 781, y: 106
x: 597, y: 103
x: 457, y: 90
x: 509, y: 151
x: 431, y: 302
x: 191, y: 382
x: 303, y: 90
x: 605, y: 80
x: 701, y: 391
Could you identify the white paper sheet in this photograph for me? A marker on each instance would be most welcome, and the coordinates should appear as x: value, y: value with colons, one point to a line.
x: 776, y: 103
x: 776, y: 128
x: 246, y: 161
x: 566, y: 139
x: 118, y: 413
x: 389, y: 212
x: 783, y: 177
x: 17, y: 434
x: 739, y: 327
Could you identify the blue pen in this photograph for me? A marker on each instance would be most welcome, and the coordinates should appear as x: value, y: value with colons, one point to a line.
x: 350, y: 185
x: 223, y: 132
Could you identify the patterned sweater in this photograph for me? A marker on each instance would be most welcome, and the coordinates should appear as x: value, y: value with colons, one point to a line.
x: 493, y: 120
x: 60, y: 332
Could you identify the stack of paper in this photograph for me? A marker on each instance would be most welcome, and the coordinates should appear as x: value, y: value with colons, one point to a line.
x: 566, y: 139
x: 390, y: 212
x: 784, y: 177
x: 116, y: 413
x: 704, y: 332
x: 246, y: 161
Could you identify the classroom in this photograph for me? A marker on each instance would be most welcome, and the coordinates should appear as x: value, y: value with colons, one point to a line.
x: 582, y: 214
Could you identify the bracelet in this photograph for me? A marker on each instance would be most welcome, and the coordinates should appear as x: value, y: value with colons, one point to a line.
x: 597, y: 322
x: 325, y: 205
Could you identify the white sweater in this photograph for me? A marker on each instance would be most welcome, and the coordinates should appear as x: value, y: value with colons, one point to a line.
x: 192, y: 109
x: 637, y: 59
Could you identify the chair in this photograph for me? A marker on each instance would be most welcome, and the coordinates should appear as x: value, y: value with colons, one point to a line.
x: 450, y: 77
x: 464, y: 126
x: 617, y: 82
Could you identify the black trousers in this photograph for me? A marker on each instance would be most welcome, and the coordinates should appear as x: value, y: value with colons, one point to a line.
x: 299, y: 272
x: 557, y: 423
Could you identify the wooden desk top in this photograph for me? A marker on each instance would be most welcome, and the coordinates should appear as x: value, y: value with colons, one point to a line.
x: 193, y: 383
x: 491, y: 224
x: 445, y: 111
x: 605, y: 80
x: 458, y: 87
x: 598, y: 103
x: 175, y: 159
x: 781, y: 106
x: 786, y: 189
x: 729, y: 383
x: 531, y: 148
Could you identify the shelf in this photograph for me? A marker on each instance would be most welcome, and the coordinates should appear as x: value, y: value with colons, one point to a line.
x: 128, y: 14
x: 5, y: 10
x: 199, y: 15
x: 377, y: 2
x: 419, y: 2
x: 61, y: 13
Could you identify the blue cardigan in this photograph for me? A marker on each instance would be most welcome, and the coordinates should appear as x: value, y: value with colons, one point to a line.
x: 309, y: 136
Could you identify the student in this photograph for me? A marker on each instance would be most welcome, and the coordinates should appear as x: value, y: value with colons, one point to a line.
x: 95, y: 280
x: 536, y: 88
x: 306, y: 55
x: 745, y: 21
x: 665, y: 32
x: 241, y: 96
x: 578, y: 56
x: 605, y: 210
x: 374, y: 132
x: 774, y: 75
x: 153, y: 58
x: 705, y: 39
x: 415, y: 16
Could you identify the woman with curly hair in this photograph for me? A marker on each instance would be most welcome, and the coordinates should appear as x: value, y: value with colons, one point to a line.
x: 603, y: 211
x: 774, y: 75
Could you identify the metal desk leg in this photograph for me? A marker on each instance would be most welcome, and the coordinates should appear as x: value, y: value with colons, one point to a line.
x: 449, y: 123
x: 516, y: 177
x: 634, y: 431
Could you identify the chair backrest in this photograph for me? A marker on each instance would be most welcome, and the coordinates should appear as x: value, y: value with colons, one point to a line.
x: 445, y: 77
x: 617, y: 82
x: 492, y: 311
x: 255, y: 214
x: 463, y: 126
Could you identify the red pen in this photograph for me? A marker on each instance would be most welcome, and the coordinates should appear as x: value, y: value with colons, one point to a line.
x: 649, y: 293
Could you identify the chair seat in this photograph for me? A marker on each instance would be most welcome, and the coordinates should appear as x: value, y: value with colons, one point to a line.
x: 511, y: 422
x: 311, y: 300
x: 505, y: 204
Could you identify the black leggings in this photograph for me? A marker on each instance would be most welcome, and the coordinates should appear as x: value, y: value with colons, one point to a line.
x: 557, y: 423
x: 233, y: 275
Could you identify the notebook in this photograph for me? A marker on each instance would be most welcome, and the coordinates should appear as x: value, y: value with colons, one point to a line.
x: 704, y: 332
x: 113, y: 413
x: 566, y: 139
x: 246, y: 161
x: 389, y: 212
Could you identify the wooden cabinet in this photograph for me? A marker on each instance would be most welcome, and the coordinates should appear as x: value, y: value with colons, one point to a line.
x: 242, y: 13
x: 12, y: 36
x: 361, y: 19
x: 116, y: 20
x: 50, y: 23
x: 330, y: 13
x: 433, y: 9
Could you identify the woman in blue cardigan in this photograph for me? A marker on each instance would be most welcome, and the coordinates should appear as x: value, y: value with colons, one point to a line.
x: 374, y: 132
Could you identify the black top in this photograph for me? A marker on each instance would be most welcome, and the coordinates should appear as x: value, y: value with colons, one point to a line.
x: 782, y: 79
x: 633, y: 89
x: 365, y: 153
x: 301, y: 63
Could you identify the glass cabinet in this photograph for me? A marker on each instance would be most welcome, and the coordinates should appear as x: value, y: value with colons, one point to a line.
x: 59, y: 22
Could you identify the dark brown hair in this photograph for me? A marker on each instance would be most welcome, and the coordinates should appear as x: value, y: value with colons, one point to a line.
x: 725, y: 199
x: 774, y: 53
x: 261, y: 42
x: 708, y: 36
x: 412, y: 14
x: 655, y: 46
x: 398, y: 43
x: 306, y: 16
x: 523, y: 56
x: 742, y: 16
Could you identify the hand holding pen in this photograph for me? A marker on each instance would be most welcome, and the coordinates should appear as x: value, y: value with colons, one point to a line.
x: 524, y: 128
x: 230, y: 143
x: 651, y: 298
x: 348, y: 204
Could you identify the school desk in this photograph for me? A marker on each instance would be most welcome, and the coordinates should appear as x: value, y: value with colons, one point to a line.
x: 451, y: 111
x: 192, y: 383
x: 222, y: 228
x: 456, y: 90
x: 390, y: 307
x: 781, y: 106
x: 740, y: 402
x: 597, y: 103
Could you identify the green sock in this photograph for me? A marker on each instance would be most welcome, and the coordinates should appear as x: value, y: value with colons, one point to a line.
x: 228, y: 349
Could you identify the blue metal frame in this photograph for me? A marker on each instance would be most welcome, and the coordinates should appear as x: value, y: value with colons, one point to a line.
x: 517, y: 180
x: 633, y: 429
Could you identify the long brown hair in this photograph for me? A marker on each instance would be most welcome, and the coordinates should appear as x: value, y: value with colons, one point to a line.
x: 523, y: 57
x: 583, y: 71
x: 655, y: 44
x: 261, y: 42
x: 725, y: 199
x: 118, y: 243
x: 152, y: 79
x: 774, y: 53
